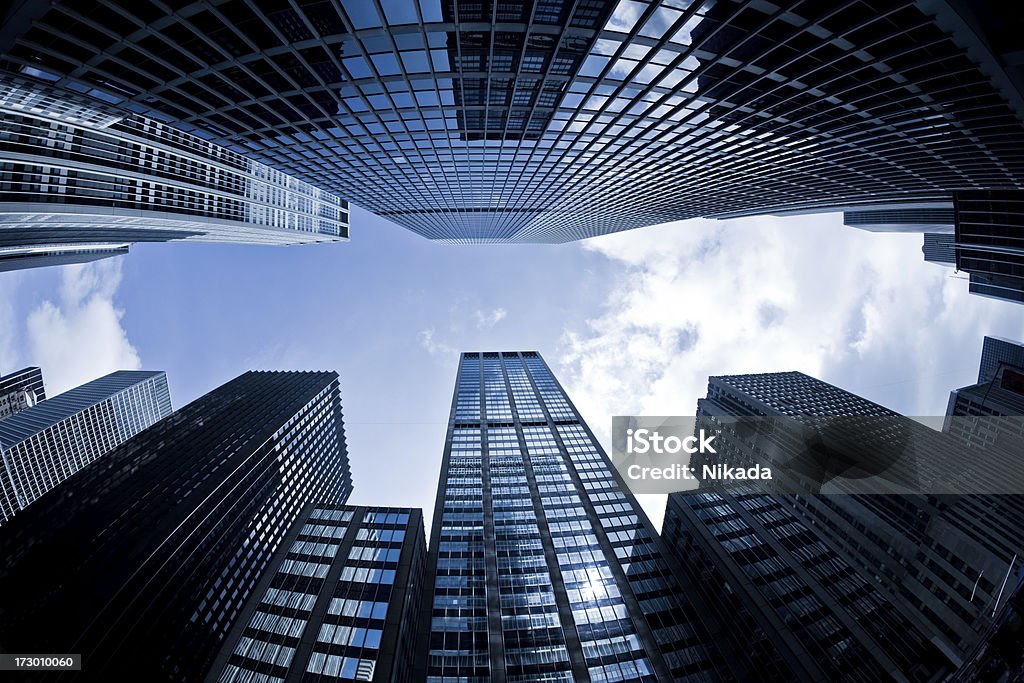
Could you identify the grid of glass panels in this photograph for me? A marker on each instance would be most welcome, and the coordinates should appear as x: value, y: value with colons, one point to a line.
x: 561, y: 119
x: 47, y: 443
x: 545, y: 569
x: 337, y: 603
x: 903, y: 541
x: 66, y: 157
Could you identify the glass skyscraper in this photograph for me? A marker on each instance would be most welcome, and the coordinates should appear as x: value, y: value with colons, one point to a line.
x: 45, y: 444
x: 143, y: 560
x: 340, y: 602
x: 872, y: 583
x: 543, y: 567
x: 556, y: 120
x: 990, y: 242
x: 80, y: 180
x: 20, y: 390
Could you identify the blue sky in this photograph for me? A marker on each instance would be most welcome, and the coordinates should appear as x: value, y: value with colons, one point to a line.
x: 632, y: 323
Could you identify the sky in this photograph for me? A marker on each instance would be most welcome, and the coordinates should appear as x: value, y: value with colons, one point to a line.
x: 631, y: 323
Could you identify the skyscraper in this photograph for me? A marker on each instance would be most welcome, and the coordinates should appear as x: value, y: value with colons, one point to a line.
x: 143, y: 560
x: 557, y: 120
x: 932, y: 563
x: 542, y: 564
x: 45, y: 444
x: 998, y: 352
x: 20, y: 390
x: 80, y: 180
x: 939, y: 247
x: 990, y: 242
x: 999, y: 391
x: 341, y: 600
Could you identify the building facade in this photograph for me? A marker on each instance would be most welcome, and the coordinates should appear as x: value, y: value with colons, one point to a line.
x: 990, y: 242
x: 933, y: 563
x: 20, y: 390
x: 80, y: 180
x: 553, y: 121
x: 542, y: 564
x: 939, y: 248
x: 143, y: 561
x: 45, y: 444
x: 340, y: 602
x: 999, y: 392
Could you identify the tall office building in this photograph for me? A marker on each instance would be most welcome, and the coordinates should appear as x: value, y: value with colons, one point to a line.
x: 20, y: 390
x: 340, y: 602
x: 933, y: 564
x: 939, y: 248
x: 998, y: 352
x: 999, y: 391
x: 558, y: 120
x: 931, y: 217
x: 143, y: 561
x: 80, y: 180
x: 543, y: 567
x: 990, y: 242
x: 43, y: 445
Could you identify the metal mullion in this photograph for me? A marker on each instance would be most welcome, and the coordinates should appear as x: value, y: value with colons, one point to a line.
x: 408, y: 173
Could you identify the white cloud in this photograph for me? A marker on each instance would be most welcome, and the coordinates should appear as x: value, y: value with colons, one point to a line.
x: 857, y: 309
x: 485, y: 320
x: 81, y: 337
x: 433, y: 346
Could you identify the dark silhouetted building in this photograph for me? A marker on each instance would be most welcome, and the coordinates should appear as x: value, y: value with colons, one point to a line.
x: 917, y: 573
x: 142, y: 561
x: 553, y: 121
x: 341, y: 601
x: 990, y: 242
x: 46, y: 443
x: 999, y: 391
x: 543, y: 567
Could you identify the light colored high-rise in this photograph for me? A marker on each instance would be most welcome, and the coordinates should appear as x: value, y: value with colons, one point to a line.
x: 80, y: 181
x: 47, y: 443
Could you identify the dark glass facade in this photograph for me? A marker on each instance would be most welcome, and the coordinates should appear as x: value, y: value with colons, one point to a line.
x: 990, y: 242
x: 45, y: 444
x: 997, y: 352
x: 543, y: 567
x: 553, y: 120
x: 932, y: 563
x: 143, y: 561
x: 20, y: 390
x: 340, y: 601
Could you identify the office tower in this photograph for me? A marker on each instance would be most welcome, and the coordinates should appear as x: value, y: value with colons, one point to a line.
x: 998, y: 352
x: 43, y: 445
x: 340, y: 601
x: 143, y: 560
x: 939, y: 559
x: 80, y: 180
x: 935, y: 217
x: 1000, y: 656
x: 553, y: 121
x: 939, y: 248
x: 999, y: 391
x: 20, y: 390
x: 542, y: 564
x: 990, y: 242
